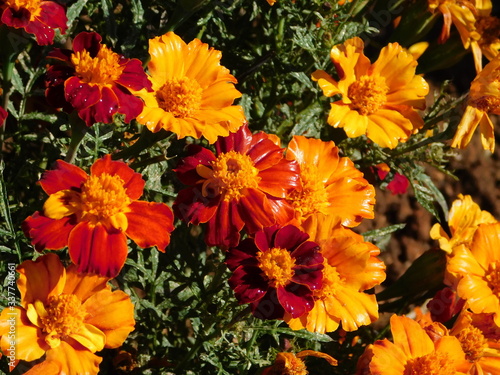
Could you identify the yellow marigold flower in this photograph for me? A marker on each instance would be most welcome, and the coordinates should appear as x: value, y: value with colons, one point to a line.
x: 463, y: 219
x: 478, y: 271
x: 192, y: 94
x: 485, y: 41
x: 66, y: 316
x: 378, y: 99
x: 484, y: 98
x: 331, y: 184
x: 292, y: 364
x: 351, y: 267
x: 412, y: 352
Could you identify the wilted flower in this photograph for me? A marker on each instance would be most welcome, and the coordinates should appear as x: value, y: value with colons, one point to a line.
x: 276, y: 272
x: 484, y: 98
x: 244, y: 185
x: 36, y: 17
x: 351, y: 267
x: 94, y: 214
x: 66, y: 316
x: 192, y: 93
x: 330, y: 184
x: 95, y: 81
x: 461, y: 13
x: 378, y: 99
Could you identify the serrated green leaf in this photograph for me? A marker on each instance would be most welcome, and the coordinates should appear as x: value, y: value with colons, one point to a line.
x: 74, y: 11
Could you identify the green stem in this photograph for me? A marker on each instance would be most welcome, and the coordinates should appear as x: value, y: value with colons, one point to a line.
x: 78, y: 131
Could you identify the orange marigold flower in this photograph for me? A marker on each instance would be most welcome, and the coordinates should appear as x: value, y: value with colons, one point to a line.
x: 484, y: 98
x: 276, y: 272
x: 463, y: 219
x: 192, y: 93
x: 243, y: 185
x: 66, y: 316
x: 413, y: 352
x: 36, y: 17
x: 292, y: 364
x: 94, y: 214
x: 478, y: 271
x: 95, y: 81
x: 351, y: 267
x: 378, y: 99
x: 331, y: 185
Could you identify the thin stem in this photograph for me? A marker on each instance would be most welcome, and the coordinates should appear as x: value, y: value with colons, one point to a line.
x: 78, y: 131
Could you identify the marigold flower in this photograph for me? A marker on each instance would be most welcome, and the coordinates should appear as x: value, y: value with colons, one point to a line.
x: 484, y: 98
x: 192, y: 93
x: 413, y: 352
x: 330, y: 184
x: 94, y: 214
x: 351, y: 266
x: 463, y: 219
x: 36, y: 17
x: 462, y: 13
x: 276, y: 272
x: 244, y: 185
x: 292, y: 364
x: 95, y: 81
x: 478, y: 271
x: 378, y: 99
x: 66, y: 316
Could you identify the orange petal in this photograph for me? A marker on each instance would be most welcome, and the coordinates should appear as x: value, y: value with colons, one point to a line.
x: 83, y: 285
x: 113, y: 314
x: 74, y: 359
x: 40, y: 279
x: 387, y: 359
x: 150, y: 224
x: 96, y: 250
x: 410, y: 337
x: 64, y: 177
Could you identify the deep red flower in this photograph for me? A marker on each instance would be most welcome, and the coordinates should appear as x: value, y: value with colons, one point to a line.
x: 35, y: 17
x: 95, y: 81
x: 3, y: 116
x: 243, y: 185
x: 276, y: 272
x: 94, y: 214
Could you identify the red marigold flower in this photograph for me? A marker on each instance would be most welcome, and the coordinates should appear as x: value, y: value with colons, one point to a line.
x: 95, y: 81
x: 3, y: 116
x: 94, y: 214
x: 276, y: 272
x: 243, y: 185
x: 35, y: 17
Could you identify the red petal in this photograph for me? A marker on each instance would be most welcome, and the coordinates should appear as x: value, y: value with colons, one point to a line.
x: 96, y: 250
x: 150, y: 224
x: 17, y: 19
x: 223, y: 229
x: 192, y: 207
x: 255, y: 210
x: 81, y: 95
x: 133, y: 76
x: 290, y: 237
x: 308, y: 253
x: 243, y: 255
x: 186, y: 170
x: 3, y: 116
x: 296, y: 299
x: 265, y: 154
x: 312, y: 277
x: 280, y: 179
x: 46, y: 233
x: 264, y: 239
x: 128, y: 104
x: 248, y: 285
x: 53, y: 15
x: 44, y: 34
x: 101, y: 111
x: 64, y: 176
x: 87, y: 41
x: 132, y: 181
x: 239, y: 141
x: 268, y: 307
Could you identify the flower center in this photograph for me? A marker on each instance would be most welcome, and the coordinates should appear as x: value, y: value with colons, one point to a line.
x: 435, y: 363
x: 180, y: 96
x: 104, y: 69
x: 331, y: 281
x: 33, y: 6
x: 277, y: 265
x: 64, y: 315
x: 230, y: 174
x: 288, y: 364
x: 103, y: 197
x: 487, y: 104
x: 492, y: 277
x: 313, y: 197
x: 368, y: 94
x: 473, y: 343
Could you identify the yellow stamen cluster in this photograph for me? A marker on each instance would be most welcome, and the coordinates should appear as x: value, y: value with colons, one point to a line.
x: 33, y: 6
x: 487, y: 104
x: 313, y: 197
x: 230, y: 174
x: 331, y: 281
x: 288, y: 364
x: 473, y: 343
x: 64, y: 315
x: 435, y: 363
x: 103, y: 197
x: 180, y: 96
x: 277, y: 265
x: 104, y: 69
x: 368, y: 94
